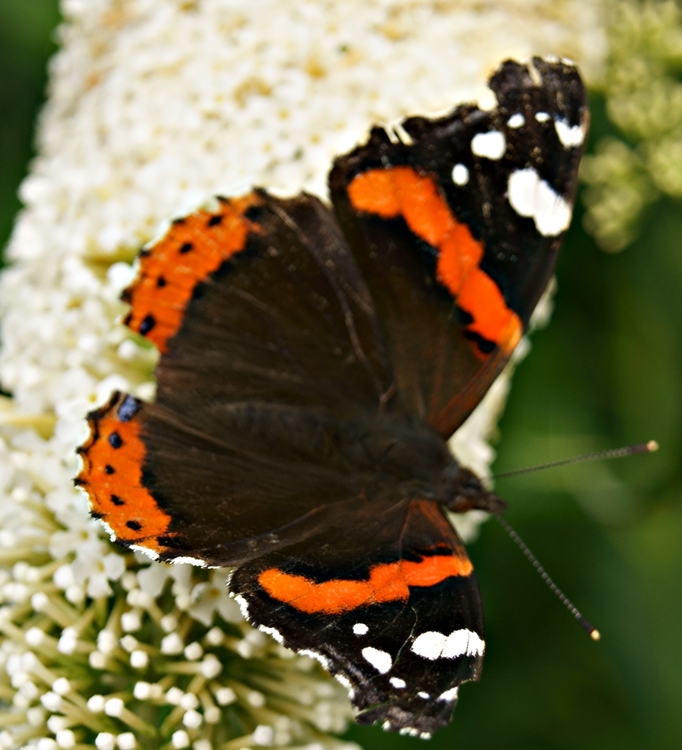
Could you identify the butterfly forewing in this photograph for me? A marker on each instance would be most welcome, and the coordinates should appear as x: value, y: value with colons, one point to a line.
x: 457, y: 231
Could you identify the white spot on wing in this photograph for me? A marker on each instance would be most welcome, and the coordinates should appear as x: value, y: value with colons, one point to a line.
x: 434, y: 645
x: 490, y: 145
x: 475, y: 644
x: 273, y: 632
x: 461, y: 642
x: 542, y: 116
x: 360, y: 628
x: 380, y: 660
x: 449, y: 695
x: 516, y: 121
x: 429, y: 645
x: 318, y: 657
x: 343, y: 680
x: 460, y: 174
x: 423, y: 695
x: 412, y: 732
x: 112, y: 534
x: 398, y: 683
x: 243, y: 605
x: 532, y: 197
x: 144, y: 550
x: 569, y: 135
x: 188, y: 561
x: 346, y: 683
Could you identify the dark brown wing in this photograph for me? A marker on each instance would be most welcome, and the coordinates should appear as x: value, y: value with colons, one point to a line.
x: 272, y: 371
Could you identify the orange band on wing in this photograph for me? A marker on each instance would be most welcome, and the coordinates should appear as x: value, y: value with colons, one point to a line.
x: 387, y: 582
x: 112, y: 475
x: 192, y: 249
x: 400, y: 191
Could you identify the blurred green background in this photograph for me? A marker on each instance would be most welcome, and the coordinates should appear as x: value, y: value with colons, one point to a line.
x: 26, y: 42
x: 607, y: 372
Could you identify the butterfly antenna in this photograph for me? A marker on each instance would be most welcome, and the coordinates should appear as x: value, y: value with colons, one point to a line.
x: 584, y: 624
x: 629, y: 450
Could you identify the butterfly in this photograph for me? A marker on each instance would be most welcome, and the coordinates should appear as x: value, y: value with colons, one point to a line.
x: 314, y: 360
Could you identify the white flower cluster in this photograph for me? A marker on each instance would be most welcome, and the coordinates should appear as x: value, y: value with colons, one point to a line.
x: 155, y: 105
x: 96, y: 646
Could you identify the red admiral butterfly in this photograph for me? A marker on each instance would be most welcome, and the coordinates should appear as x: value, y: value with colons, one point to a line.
x: 314, y: 362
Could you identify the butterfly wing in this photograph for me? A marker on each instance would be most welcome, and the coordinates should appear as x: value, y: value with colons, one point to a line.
x: 457, y: 228
x: 260, y: 300
x: 391, y: 609
x: 269, y: 345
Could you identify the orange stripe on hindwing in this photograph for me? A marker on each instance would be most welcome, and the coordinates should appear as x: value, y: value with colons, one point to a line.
x: 388, y: 582
x: 400, y: 191
x: 193, y: 248
x: 113, y: 457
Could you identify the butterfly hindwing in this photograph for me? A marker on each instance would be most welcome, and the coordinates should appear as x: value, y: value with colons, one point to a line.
x: 401, y: 627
